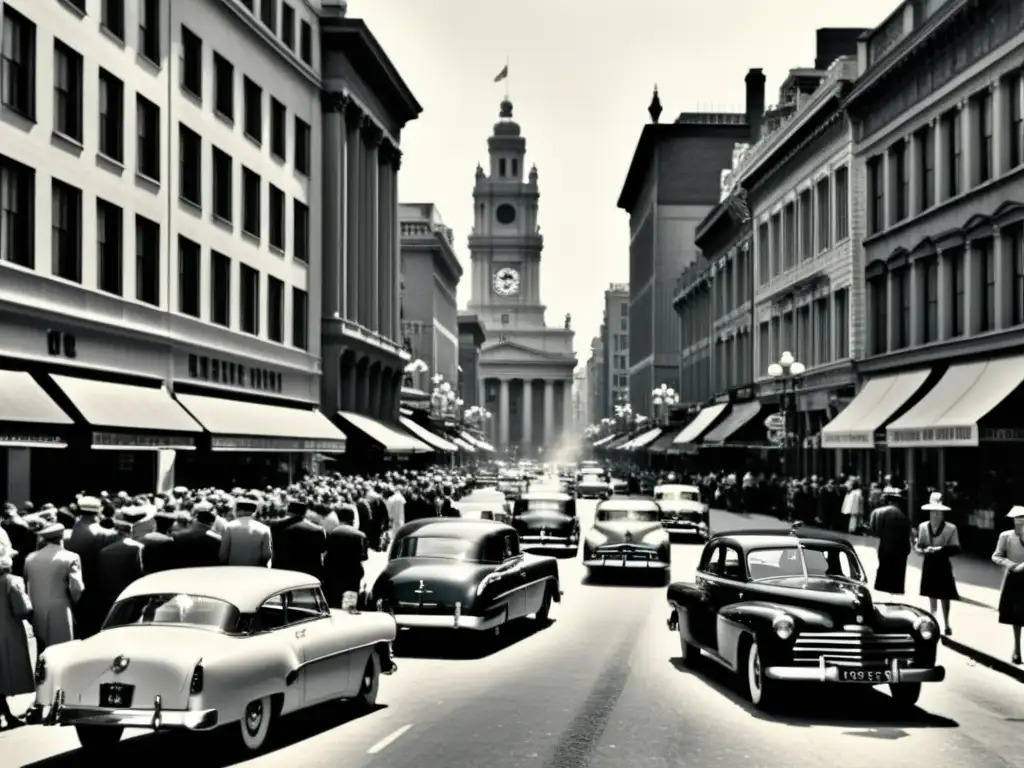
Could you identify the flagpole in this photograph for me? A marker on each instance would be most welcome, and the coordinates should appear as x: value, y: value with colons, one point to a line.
x: 506, y: 78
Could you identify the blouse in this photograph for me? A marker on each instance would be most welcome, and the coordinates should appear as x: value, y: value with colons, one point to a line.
x: 1009, y: 551
x: 946, y: 536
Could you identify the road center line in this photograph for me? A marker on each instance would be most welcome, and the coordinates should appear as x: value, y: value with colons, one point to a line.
x: 388, y: 740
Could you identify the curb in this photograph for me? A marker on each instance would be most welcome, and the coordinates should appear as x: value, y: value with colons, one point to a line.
x: 985, y: 659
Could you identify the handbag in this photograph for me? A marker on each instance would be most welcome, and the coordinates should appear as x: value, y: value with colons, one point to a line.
x: 21, y: 606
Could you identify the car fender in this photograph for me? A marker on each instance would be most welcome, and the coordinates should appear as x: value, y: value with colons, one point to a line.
x: 682, y: 597
x: 264, y: 665
x: 754, y: 619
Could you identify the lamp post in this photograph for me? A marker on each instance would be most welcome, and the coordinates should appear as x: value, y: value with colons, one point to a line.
x: 413, y: 371
x: 444, y: 400
x: 664, y: 399
x: 624, y: 414
x: 787, y: 371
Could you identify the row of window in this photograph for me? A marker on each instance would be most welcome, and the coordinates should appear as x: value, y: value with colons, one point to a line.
x: 733, y: 362
x: 279, y: 18
x: 807, y: 332
x: 817, y: 220
x: 733, y: 283
x: 955, y: 154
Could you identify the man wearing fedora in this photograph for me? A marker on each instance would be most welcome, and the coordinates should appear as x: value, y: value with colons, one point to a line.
x: 53, y: 577
x: 245, y: 540
x: 299, y: 544
x: 892, y: 527
x: 158, y: 554
x: 198, y: 546
x: 87, y: 539
x: 121, y: 560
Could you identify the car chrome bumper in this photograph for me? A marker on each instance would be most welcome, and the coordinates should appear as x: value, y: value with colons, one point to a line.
x: 449, y: 621
x: 827, y: 673
x: 548, y: 542
x: 154, y: 719
x: 684, y: 526
x: 619, y: 563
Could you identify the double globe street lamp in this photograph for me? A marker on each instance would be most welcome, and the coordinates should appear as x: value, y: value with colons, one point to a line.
x: 787, y: 371
x: 413, y: 371
x: 443, y: 399
x: 476, y: 416
x: 664, y: 399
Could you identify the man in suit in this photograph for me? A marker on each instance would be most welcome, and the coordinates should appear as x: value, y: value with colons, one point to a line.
x: 121, y: 561
x: 87, y: 539
x: 894, y: 531
x: 299, y: 544
x: 53, y: 576
x: 344, y: 558
x: 159, y: 544
x: 23, y: 538
x: 198, y: 546
x: 246, y: 541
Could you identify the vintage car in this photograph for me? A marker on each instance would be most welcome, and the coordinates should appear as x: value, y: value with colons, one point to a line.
x: 486, y: 478
x: 647, y: 485
x: 449, y: 573
x: 682, y: 510
x: 546, y: 519
x: 484, y: 504
x: 627, y: 535
x: 776, y: 607
x: 512, y: 484
x: 619, y: 485
x: 227, y: 647
x: 592, y: 483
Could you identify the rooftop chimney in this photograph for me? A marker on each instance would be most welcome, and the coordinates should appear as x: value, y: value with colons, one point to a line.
x: 755, y: 81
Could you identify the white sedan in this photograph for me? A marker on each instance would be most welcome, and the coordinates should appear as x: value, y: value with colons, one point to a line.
x: 682, y: 511
x: 223, y: 647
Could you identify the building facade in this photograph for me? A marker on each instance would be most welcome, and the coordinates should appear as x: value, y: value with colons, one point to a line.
x: 526, y: 366
x: 595, y: 381
x: 615, y: 344
x: 472, y: 336
x: 672, y: 184
x: 939, y: 130
x: 581, y: 398
x: 366, y: 106
x: 161, y: 231
x: 430, y: 274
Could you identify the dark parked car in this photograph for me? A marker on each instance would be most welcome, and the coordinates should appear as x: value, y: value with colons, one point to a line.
x: 775, y: 608
x: 627, y: 534
x: 451, y: 573
x: 547, y: 520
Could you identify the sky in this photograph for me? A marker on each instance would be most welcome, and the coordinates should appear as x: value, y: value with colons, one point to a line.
x: 581, y: 76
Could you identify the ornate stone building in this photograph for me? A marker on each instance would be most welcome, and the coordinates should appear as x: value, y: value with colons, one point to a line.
x: 526, y: 367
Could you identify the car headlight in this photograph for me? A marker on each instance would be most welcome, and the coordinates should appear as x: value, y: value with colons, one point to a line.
x: 596, y: 538
x: 784, y: 626
x: 925, y: 627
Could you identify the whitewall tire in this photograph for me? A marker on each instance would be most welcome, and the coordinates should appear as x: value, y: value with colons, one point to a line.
x: 254, y: 728
x: 760, y: 688
x: 369, y: 683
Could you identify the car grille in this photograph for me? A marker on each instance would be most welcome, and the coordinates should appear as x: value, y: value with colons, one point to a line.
x: 687, y: 516
x: 852, y: 649
x: 630, y: 552
x: 425, y: 608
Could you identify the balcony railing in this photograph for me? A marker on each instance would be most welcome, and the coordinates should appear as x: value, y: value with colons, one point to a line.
x: 424, y: 229
x: 354, y: 329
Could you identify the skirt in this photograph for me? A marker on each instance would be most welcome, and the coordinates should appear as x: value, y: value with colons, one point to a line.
x: 937, y: 579
x: 1011, y: 600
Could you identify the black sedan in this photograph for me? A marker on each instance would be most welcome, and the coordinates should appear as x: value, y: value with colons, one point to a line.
x: 627, y: 535
x: 776, y: 608
x: 451, y: 573
x: 546, y: 519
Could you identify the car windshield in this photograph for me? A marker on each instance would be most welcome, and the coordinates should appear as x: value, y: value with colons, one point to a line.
x: 627, y: 515
x: 820, y: 561
x: 676, y: 495
x: 545, y: 505
x: 592, y: 474
x: 441, y: 547
x: 174, y: 608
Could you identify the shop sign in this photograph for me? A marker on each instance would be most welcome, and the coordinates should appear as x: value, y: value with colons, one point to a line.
x: 154, y: 442
x: 277, y: 445
x: 992, y: 435
x: 32, y: 441
x: 934, y: 437
x: 847, y: 439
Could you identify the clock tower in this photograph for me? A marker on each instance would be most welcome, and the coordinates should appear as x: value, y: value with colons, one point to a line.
x: 505, y: 245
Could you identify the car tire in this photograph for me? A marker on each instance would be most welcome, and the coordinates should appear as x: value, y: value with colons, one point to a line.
x: 905, y: 694
x: 544, y: 612
x: 760, y: 690
x: 369, y: 685
x: 98, y: 736
x: 689, y: 653
x: 254, y: 727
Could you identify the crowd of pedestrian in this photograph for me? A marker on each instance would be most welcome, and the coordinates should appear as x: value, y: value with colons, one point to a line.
x: 62, y: 568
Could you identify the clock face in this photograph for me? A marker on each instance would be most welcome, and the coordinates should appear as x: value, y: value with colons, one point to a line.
x: 505, y: 214
x: 506, y: 282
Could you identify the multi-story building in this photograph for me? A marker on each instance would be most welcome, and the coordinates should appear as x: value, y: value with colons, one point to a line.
x: 939, y: 127
x: 167, y: 156
x: 580, y: 398
x: 615, y: 346
x: 595, y: 381
x: 472, y: 336
x: 672, y: 184
x: 430, y: 279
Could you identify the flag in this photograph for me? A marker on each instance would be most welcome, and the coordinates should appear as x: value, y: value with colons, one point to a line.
x: 501, y: 75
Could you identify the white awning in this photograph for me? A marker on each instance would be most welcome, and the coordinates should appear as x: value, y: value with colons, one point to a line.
x: 476, y: 442
x: 24, y: 402
x: 948, y: 415
x: 644, y: 440
x: 604, y: 441
x: 464, y: 445
x: 701, y: 423
x: 855, y: 426
x: 741, y: 415
x: 427, y: 436
x: 391, y: 440
x: 405, y: 411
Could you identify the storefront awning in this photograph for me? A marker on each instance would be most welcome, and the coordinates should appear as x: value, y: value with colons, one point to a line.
x: 237, y: 425
x: 644, y: 440
x: 476, y: 442
x: 741, y: 415
x: 603, y: 441
x: 464, y: 445
x: 437, y: 442
x: 877, y: 401
x: 948, y: 415
x: 391, y: 440
x: 664, y: 442
x: 24, y: 402
x: 701, y: 423
x: 405, y: 411
x: 111, y: 408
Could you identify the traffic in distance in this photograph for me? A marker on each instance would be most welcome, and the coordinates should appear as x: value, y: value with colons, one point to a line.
x: 236, y: 649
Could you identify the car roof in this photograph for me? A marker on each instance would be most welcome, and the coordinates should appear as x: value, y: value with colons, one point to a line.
x: 629, y: 504
x: 748, y: 539
x: 453, y: 528
x: 545, y: 495
x: 677, y: 487
x: 245, y: 587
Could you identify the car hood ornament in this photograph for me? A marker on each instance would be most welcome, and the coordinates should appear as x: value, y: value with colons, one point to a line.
x: 629, y: 537
x: 120, y: 664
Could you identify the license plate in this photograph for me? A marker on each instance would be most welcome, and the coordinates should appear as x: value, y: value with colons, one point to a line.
x: 116, y: 695
x: 865, y: 676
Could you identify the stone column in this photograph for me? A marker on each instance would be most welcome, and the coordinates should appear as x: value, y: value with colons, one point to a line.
x: 940, y: 161
x: 353, y: 212
x: 528, y: 415
x: 892, y: 296
x: 1003, y: 258
x: 973, y: 290
x: 396, y: 250
x: 968, y: 146
x: 567, y: 425
x: 334, y: 149
x: 373, y: 136
x: 917, y: 308
x: 503, y: 414
x: 913, y: 147
x: 889, y: 191
x: 945, y: 295
x: 386, y: 238
x: 1000, y: 128
x: 549, y: 414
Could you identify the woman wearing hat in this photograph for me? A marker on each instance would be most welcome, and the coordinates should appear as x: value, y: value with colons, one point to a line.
x: 1010, y: 555
x: 937, y: 541
x: 15, y: 663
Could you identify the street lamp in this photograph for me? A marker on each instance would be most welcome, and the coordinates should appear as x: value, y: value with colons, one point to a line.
x: 413, y: 371
x: 664, y: 399
x: 787, y: 371
x: 624, y: 414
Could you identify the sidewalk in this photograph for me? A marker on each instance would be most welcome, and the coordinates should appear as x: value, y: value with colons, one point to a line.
x: 977, y: 632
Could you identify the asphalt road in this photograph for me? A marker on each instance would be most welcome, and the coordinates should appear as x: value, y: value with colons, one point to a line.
x: 601, y: 686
